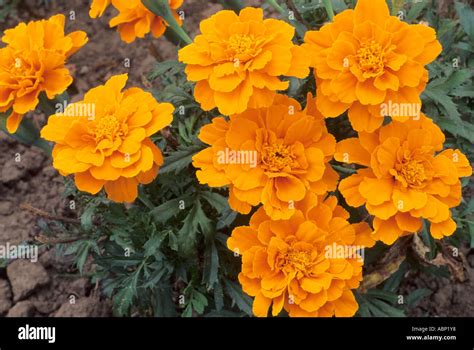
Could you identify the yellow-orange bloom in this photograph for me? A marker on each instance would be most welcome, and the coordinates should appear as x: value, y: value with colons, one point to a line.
x: 371, y: 64
x: 237, y: 61
x: 307, y: 264
x: 135, y: 20
x: 105, y: 139
x: 32, y: 62
x: 406, y: 179
x: 272, y: 156
x: 98, y: 7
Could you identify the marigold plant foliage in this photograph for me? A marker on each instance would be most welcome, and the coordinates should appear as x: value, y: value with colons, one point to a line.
x: 408, y: 177
x: 134, y: 20
x: 110, y: 148
x: 33, y: 61
x: 365, y: 59
x: 287, y: 263
x: 290, y: 146
x: 237, y: 60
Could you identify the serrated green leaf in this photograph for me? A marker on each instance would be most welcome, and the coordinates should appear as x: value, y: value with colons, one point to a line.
x: 87, y: 218
x: 440, y: 97
x: 216, y: 200
x: 211, y: 267
x: 415, y: 10
x: 179, y: 160
x: 243, y: 301
x: 466, y: 17
x: 414, y: 297
x: 153, y: 244
x: 167, y: 210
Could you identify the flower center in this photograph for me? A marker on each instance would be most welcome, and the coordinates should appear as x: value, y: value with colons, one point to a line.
x: 107, y: 127
x: 295, y: 260
x: 413, y: 172
x: 277, y: 157
x: 241, y: 46
x: 371, y: 59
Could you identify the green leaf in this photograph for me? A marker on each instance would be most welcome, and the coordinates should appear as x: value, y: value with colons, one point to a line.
x: 81, y: 250
x: 414, y: 297
x: 440, y: 97
x: 393, y: 282
x: 383, y: 294
x: 218, y: 201
x: 466, y: 17
x: 452, y: 81
x: 219, y: 296
x: 87, y: 218
x: 123, y: 300
x: 153, y: 244
x: 195, y: 221
x: 166, y: 67
x: 211, y: 268
x: 199, y: 302
x: 235, y: 5
x: 127, y: 292
x: 429, y: 241
x: 471, y: 232
x: 381, y: 308
x: 163, y: 305
x: 415, y: 10
x: 179, y: 160
x: 167, y: 210
x: 243, y: 301
x: 173, y: 241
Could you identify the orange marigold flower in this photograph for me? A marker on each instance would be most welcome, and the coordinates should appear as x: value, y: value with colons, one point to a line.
x: 272, y: 155
x: 367, y: 61
x: 307, y: 264
x: 105, y: 139
x: 237, y: 60
x: 34, y: 61
x: 98, y: 7
x: 135, y: 20
x: 406, y: 179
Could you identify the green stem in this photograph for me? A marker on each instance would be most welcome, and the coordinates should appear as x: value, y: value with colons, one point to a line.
x: 329, y: 9
x: 162, y: 9
x: 397, y: 5
x: 277, y: 7
x: 344, y: 169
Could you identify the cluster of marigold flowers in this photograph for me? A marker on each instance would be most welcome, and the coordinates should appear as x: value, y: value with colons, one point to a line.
x: 271, y: 153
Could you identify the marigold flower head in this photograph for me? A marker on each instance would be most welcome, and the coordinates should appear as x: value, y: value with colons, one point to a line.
x: 98, y: 7
x: 34, y: 61
x: 272, y: 155
x: 366, y: 60
x: 105, y: 139
x: 408, y: 178
x: 135, y: 20
x: 237, y: 60
x: 296, y: 264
